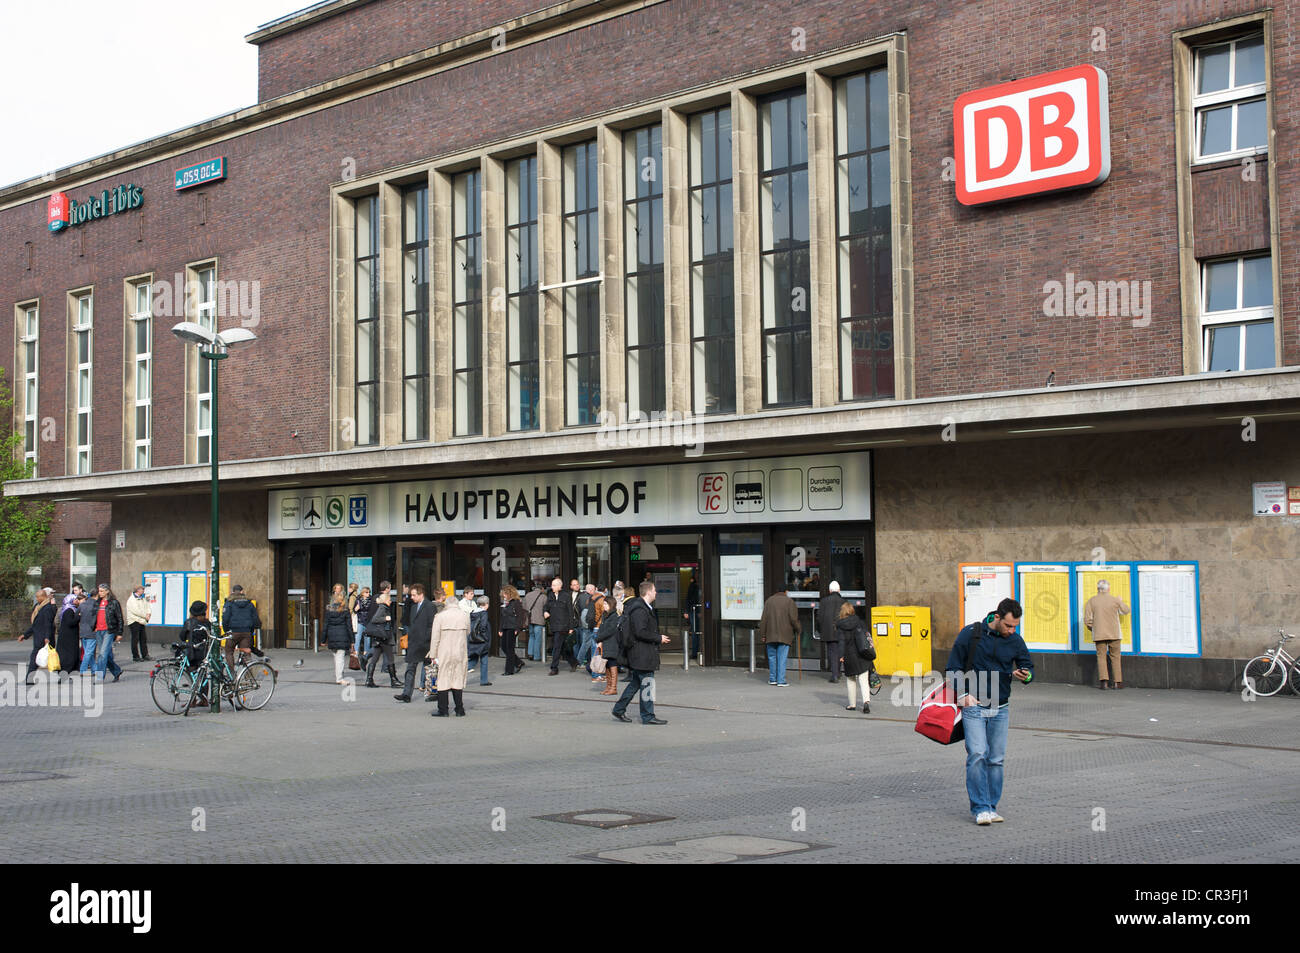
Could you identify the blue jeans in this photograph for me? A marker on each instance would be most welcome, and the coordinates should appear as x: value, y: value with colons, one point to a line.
x: 110, y: 664
x: 88, y: 654
x: 103, y: 645
x: 586, y: 645
x: 776, y: 656
x: 643, y: 682
x: 482, y: 662
x: 986, y: 749
x: 535, y: 635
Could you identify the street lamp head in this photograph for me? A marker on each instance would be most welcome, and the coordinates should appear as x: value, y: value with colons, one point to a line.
x: 194, y: 333
x: 235, y: 335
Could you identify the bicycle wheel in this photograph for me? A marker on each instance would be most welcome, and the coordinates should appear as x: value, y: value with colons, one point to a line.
x: 255, y: 684
x: 170, y: 687
x: 1295, y: 679
x: 202, y: 684
x: 1264, y: 675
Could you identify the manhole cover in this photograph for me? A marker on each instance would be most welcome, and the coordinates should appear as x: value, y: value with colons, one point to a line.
x: 719, y: 849
x: 604, y: 818
x: 9, y: 777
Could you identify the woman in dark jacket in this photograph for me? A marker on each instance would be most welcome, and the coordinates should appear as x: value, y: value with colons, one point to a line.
x: 338, y: 633
x: 379, y: 631
x: 609, y: 612
x: 68, y: 643
x: 514, y: 619
x: 41, y: 631
x: 859, y: 651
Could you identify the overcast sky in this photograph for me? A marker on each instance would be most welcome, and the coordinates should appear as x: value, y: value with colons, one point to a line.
x: 79, y: 78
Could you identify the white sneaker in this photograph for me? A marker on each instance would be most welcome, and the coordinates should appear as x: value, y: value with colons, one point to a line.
x: 996, y: 818
x: 984, y: 818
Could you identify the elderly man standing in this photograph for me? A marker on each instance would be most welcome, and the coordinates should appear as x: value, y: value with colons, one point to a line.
x: 449, y: 650
x: 138, y: 611
x: 778, y: 627
x: 1101, y: 614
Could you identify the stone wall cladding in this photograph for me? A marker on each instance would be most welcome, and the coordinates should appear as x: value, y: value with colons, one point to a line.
x: 1166, y: 495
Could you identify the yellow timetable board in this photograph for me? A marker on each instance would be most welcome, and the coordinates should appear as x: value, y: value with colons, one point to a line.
x: 1045, y: 597
x: 1120, y: 576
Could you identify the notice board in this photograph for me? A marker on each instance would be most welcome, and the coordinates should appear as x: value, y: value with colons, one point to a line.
x: 1169, y: 608
x: 1044, y: 594
x: 1120, y: 577
x: 983, y: 586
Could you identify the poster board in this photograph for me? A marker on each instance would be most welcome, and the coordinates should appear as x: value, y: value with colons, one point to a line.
x: 153, y: 594
x: 1120, y: 577
x: 983, y: 586
x: 1168, y: 608
x: 360, y: 571
x: 175, y: 608
x: 665, y: 590
x: 741, y: 580
x: 1043, y: 591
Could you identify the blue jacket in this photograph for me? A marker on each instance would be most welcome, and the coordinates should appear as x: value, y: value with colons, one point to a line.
x: 993, y: 653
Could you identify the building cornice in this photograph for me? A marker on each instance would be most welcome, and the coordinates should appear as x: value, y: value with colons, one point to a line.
x: 1165, y: 403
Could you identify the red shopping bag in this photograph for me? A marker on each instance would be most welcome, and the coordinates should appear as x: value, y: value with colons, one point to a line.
x: 940, y: 717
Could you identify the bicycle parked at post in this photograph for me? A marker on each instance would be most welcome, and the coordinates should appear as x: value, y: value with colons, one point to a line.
x: 177, y: 685
x: 1266, y: 674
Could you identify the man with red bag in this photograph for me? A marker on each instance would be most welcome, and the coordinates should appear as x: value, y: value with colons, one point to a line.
x: 980, y: 652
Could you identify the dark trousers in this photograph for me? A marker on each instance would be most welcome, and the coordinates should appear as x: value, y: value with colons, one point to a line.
x: 455, y: 693
x: 638, y: 681
x: 557, y: 647
x: 37, y: 645
x: 384, y: 648
x: 508, y: 637
x: 139, y: 647
x: 833, y: 656
x: 408, y: 678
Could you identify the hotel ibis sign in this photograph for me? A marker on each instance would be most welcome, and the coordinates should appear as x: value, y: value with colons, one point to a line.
x: 63, y: 212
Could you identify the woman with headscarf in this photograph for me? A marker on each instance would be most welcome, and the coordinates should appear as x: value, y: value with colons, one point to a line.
x: 41, y: 630
x: 68, y: 640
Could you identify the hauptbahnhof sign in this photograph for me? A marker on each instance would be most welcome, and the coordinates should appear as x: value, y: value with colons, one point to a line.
x: 717, y: 493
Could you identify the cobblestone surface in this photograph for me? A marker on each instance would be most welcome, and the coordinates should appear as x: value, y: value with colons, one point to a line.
x: 321, y: 778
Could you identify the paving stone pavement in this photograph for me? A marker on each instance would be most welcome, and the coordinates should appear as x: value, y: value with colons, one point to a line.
x: 746, y: 772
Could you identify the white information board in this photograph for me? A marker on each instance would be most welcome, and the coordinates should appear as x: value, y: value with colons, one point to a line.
x: 665, y: 590
x: 1169, y: 606
x: 153, y: 594
x: 982, y: 588
x: 742, y: 586
x: 175, y: 608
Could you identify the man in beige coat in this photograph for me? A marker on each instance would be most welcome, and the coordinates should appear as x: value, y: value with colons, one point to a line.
x: 449, y: 649
x: 1101, y: 614
x: 778, y: 627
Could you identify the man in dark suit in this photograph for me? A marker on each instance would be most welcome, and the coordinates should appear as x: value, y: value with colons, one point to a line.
x: 828, y: 614
x: 560, y: 622
x: 419, y: 629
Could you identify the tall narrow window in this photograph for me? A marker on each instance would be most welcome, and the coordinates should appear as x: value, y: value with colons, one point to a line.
x: 205, y: 314
x: 1229, y: 102
x: 366, y: 296
x: 415, y: 313
x: 713, y: 303
x: 467, y: 295
x: 142, y: 330
x: 1237, y: 314
x: 83, y: 564
x: 783, y: 245
x: 581, y: 236
x: 863, y: 229
x: 522, y: 331
x: 643, y: 212
x: 31, y: 368
x: 83, y: 329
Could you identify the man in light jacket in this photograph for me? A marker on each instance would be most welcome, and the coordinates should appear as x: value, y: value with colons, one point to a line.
x: 778, y: 628
x: 535, y: 606
x: 1101, y: 615
x: 138, y: 611
x: 448, y: 648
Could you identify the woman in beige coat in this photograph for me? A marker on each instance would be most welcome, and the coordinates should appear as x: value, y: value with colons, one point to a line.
x: 449, y: 649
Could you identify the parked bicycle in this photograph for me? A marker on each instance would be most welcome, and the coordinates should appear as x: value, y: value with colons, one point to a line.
x: 1266, y: 674
x: 177, y: 685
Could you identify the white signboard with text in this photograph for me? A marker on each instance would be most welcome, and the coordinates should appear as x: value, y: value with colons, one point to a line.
x: 742, y: 586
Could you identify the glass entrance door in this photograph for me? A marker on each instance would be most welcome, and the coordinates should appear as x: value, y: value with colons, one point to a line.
x: 417, y: 562
x: 672, y: 562
x: 801, y: 573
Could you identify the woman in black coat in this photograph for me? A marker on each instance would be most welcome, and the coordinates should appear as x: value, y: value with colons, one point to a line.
x: 379, y: 630
x: 338, y: 633
x: 859, y: 652
x: 68, y: 642
x: 41, y: 631
x: 514, y: 619
x: 611, y: 612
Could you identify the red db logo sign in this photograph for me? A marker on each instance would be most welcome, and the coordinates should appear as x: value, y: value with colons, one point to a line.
x: 1041, y: 134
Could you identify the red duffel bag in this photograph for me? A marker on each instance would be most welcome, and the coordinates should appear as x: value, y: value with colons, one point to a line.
x: 940, y: 717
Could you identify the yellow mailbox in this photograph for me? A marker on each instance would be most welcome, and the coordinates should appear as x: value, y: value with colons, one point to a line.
x: 912, y: 640
x: 883, y: 635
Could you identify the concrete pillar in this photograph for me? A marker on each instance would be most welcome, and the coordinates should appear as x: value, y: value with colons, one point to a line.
x: 495, y: 418
x: 900, y: 173
x: 822, y: 300
x: 677, y: 261
x: 610, y: 188
x: 343, y: 301
x: 749, y: 318
x: 551, y: 271
x: 390, y: 315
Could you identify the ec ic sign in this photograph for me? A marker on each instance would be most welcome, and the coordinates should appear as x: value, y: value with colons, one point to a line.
x: 1041, y: 134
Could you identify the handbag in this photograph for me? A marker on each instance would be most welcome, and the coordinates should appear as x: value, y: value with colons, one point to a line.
x: 940, y: 717
x: 598, y: 664
x: 354, y: 663
x: 52, y: 660
x: 42, y: 656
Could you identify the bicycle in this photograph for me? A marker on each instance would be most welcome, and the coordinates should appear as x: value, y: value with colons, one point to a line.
x: 1265, y: 674
x: 176, y: 685
x: 171, y: 683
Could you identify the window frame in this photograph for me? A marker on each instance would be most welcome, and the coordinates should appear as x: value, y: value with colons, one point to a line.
x: 467, y: 303
x: 1236, y: 96
x: 415, y: 313
x: 701, y: 262
x: 31, y: 335
x: 639, y: 211
x: 370, y: 383
x: 521, y: 232
x: 204, y: 302
x: 145, y: 359
x: 1234, y: 317
x: 84, y: 455
x: 76, y: 569
x: 577, y: 299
